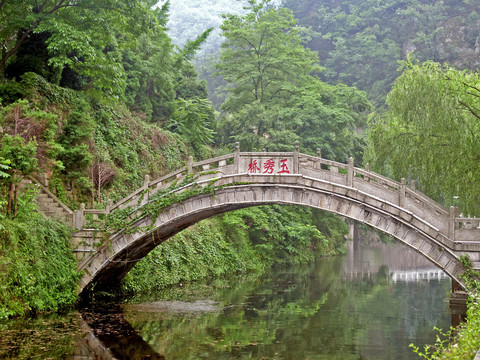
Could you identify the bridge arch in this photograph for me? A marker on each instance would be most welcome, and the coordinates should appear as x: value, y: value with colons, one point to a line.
x: 358, y: 194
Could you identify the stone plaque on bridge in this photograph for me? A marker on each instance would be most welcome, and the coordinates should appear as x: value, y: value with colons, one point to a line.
x: 267, y: 165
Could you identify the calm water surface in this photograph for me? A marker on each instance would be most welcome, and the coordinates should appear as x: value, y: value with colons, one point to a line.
x: 370, y: 304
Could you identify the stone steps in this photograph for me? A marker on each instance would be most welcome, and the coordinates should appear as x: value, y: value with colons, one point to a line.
x: 43, y: 199
x: 49, y: 205
x: 85, y: 242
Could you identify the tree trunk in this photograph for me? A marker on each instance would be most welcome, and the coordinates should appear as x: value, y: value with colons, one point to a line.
x: 15, y: 201
x: 99, y: 182
x: 11, y: 203
x: 11, y: 195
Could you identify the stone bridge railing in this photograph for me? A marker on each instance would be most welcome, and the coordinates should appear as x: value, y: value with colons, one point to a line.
x: 244, y: 179
x: 451, y: 227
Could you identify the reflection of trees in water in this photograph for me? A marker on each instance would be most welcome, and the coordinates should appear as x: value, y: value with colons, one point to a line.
x: 107, y: 335
x: 302, y: 312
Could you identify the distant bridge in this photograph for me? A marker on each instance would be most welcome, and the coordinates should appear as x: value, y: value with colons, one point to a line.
x: 244, y: 179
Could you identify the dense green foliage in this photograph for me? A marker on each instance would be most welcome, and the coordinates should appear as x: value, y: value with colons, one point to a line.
x: 275, y: 98
x: 204, y: 251
x: 37, y: 268
x: 245, y: 240
x: 98, y: 113
x: 75, y: 35
x: 360, y: 42
x: 79, y: 139
x: 466, y: 340
x: 430, y: 133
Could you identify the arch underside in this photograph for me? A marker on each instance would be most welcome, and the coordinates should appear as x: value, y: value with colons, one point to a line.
x: 111, y: 263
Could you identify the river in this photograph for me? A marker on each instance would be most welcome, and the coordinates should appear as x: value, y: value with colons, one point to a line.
x: 369, y: 304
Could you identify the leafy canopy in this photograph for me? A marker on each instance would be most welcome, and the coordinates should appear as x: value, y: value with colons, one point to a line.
x: 82, y: 34
x: 275, y: 97
x: 263, y: 58
x: 431, y: 132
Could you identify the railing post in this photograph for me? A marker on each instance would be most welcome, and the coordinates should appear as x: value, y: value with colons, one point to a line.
x: 413, y: 185
x: 402, y: 189
x: 109, y: 205
x: 190, y: 165
x: 351, y: 170
x: 296, y: 162
x: 451, y: 223
x: 79, y: 217
x: 318, y: 163
x: 236, y: 157
x: 42, y: 177
x: 146, y: 183
x: 367, y: 169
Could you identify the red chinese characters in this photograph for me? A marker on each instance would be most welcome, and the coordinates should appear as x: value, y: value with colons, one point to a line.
x: 270, y: 166
x: 283, y: 166
x: 253, y: 167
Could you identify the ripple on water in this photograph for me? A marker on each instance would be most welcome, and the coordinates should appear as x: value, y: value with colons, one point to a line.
x: 174, y: 306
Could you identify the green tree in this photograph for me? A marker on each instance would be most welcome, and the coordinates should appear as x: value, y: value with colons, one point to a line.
x: 428, y: 25
x: 192, y: 120
x: 151, y: 75
x: 22, y: 161
x: 275, y: 96
x: 263, y: 59
x: 431, y: 133
x: 157, y: 75
x: 82, y: 35
x: 328, y: 117
x: 4, y: 166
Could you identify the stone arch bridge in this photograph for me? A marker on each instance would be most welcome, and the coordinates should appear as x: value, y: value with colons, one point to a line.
x: 244, y: 179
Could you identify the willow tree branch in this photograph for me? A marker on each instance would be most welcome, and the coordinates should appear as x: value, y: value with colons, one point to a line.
x: 470, y: 109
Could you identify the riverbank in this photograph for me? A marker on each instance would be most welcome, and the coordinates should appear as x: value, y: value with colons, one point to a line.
x: 37, y: 266
x: 467, y: 337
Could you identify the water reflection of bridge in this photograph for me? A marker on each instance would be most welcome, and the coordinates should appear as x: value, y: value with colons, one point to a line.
x: 415, y: 276
x: 394, y: 262
x: 400, y: 276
